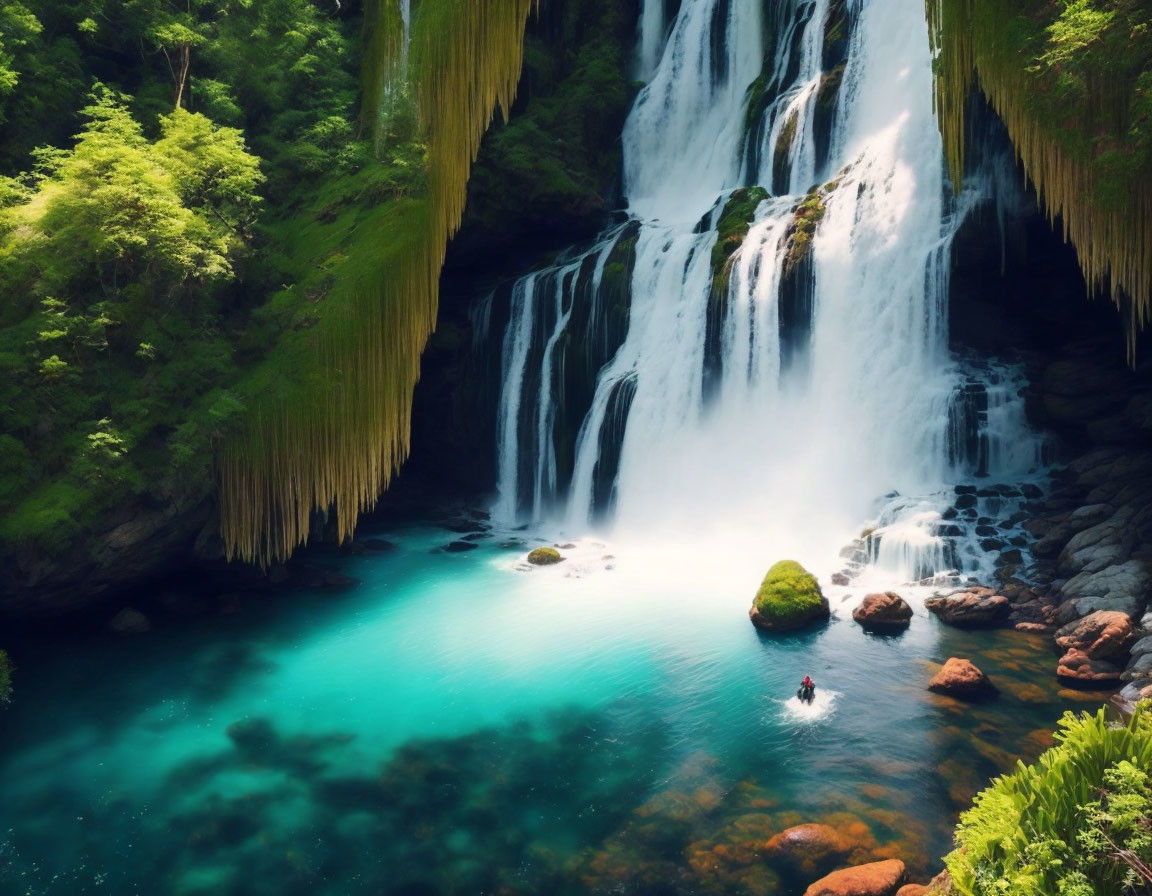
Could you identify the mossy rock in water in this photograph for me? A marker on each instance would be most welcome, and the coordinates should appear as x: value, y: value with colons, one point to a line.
x: 789, y: 598
x: 544, y: 557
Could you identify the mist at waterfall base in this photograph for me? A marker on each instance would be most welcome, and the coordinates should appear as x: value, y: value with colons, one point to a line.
x: 708, y: 449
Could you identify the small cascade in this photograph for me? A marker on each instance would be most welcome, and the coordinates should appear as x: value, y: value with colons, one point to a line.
x: 761, y: 350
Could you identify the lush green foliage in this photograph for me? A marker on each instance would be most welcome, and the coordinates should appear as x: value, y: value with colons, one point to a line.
x: 166, y: 234
x: 1078, y: 822
x: 548, y: 167
x: 788, y: 592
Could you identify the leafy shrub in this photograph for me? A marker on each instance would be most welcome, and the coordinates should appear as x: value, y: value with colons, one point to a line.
x: 1078, y: 822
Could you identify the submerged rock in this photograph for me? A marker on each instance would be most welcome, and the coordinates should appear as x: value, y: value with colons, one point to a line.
x: 789, y: 598
x: 971, y: 608
x: 873, y: 879
x: 545, y: 557
x: 129, y: 621
x: 883, y: 612
x: 961, y: 678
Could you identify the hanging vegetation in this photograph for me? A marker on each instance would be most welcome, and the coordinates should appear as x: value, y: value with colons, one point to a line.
x: 1072, y: 82
x: 333, y: 435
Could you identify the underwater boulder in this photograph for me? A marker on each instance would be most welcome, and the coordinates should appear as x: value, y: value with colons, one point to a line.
x: 887, y: 612
x: 789, y: 598
x: 873, y: 879
x: 545, y: 557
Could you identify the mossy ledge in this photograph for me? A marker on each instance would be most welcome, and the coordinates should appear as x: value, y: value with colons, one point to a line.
x: 334, y: 437
x: 789, y: 598
x: 808, y: 215
x: 1073, y: 84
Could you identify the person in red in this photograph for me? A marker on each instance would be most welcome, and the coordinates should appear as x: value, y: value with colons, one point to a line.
x: 807, y: 689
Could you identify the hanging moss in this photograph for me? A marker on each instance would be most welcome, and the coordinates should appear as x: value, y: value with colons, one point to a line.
x: 1073, y: 84
x: 329, y: 424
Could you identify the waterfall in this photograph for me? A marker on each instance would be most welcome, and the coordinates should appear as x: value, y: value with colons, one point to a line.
x: 770, y: 400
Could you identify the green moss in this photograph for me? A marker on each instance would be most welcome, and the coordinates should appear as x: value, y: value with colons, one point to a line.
x: 6, y: 670
x: 739, y: 213
x: 789, y: 595
x: 545, y: 557
x: 809, y: 213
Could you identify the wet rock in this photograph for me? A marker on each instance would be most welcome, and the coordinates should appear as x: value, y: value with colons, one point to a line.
x: 809, y: 850
x: 460, y: 547
x: 960, y: 678
x: 1033, y: 628
x: 1124, y: 587
x: 873, y: 879
x: 966, y: 502
x: 940, y: 885
x: 841, y: 579
x: 789, y: 598
x: 971, y: 608
x: 545, y: 557
x: 129, y: 621
x: 883, y: 612
x: 965, y: 489
x: 1141, y: 647
x: 912, y: 890
x: 1140, y: 667
x: 1103, y: 635
x: 1077, y: 668
x: 1132, y: 694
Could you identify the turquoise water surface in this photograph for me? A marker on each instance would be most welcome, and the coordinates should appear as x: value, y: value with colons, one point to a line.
x: 458, y: 723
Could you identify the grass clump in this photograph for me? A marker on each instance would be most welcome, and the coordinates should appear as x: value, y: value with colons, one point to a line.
x: 788, y: 597
x: 1078, y: 822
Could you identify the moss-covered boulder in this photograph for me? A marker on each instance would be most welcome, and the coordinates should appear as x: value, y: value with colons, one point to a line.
x: 545, y: 557
x: 789, y: 598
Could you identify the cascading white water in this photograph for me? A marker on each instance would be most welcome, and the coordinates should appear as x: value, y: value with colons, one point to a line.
x: 833, y: 380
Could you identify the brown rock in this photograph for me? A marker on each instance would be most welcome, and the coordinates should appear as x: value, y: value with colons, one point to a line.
x: 1033, y: 628
x: 960, y: 678
x: 883, y: 612
x: 811, y: 849
x: 1102, y: 635
x: 969, y: 609
x: 1076, y: 667
x: 912, y: 890
x: 875, y: 879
